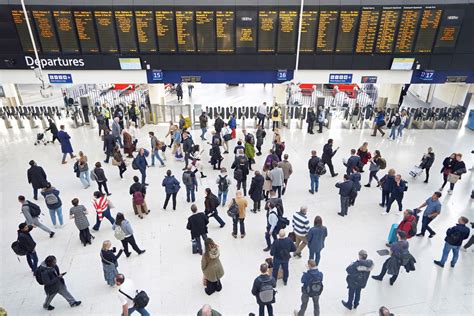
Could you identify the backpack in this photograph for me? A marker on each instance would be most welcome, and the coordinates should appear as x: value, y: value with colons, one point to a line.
x: 140, y: 300
x: 266, y: 294
x: 314, y: 288
x: 35, y: 210
x: 138, y: 198
x: 134, y: 164
x: 222, y: 184
x: 238, y: 174
x: 187, y: 179
x: 214, y: 201
x: 233, y: 210
x: 38, y: 273
x: 264, y: 134
x: 118, y: 233
x: 51, y: 199
x: 382, y: 163
x: 359, y: 279
x: 454, y: 238
x: 320, y: 168
x: 398, y: 121
x: 275, y: 113
x: 17, y: 249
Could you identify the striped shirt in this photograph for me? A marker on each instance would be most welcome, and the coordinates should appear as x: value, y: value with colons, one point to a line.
x: 101, y: 204
x: 300, y: 224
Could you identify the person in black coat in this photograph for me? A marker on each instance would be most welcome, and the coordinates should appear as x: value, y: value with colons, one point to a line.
x: 310, y: 119
x: 53, y: 129
x: 426, y: 162
x: 216, y: 157
x: 98, y: 175
x: 197, y: 224
x: 398, y: 190
x: 357, y: 275
x: 218, y: 124
x: 37, y: 177
x: 109, y: 145
x: 256, y: 191
x: 387, y: 182
x: 328, y: 153
x: 53, y: 282
x: 27, y: 243
x: 263, y: 279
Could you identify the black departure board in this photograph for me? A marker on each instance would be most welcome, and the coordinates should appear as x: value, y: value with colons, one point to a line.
x: 86, y: 32
x: 287, y: 31
x: 22, y: 29
x: 47, y: 36
x: 267, y: 27
x: 225, y: 31
x: 369, y: 21
x: 126, y: 31
x: 348, y: 21
x: 387, y: 29
x: 165, y: 31
x: 104, y: 22
x: 408, y: 26
x: 205, y: 32
x: 185, y: 31
x: 309, y: 25
x: 246, y: 31
x: 327, y: 31
x: 429, y: 24
x: 449, y: 29
x: 66, y: 31
x: 145, y: 31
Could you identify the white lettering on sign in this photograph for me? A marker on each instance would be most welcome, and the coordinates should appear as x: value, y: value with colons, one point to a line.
x: 453, y: 17
x: 55, y: 62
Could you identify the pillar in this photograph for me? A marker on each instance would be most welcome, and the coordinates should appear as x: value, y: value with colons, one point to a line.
x: 11, y: 95
x: 391, y: 92
x: 156, y: 92
x: 279, y: 93
x: 460, y: 94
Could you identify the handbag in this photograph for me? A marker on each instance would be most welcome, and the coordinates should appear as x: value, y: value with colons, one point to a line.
x: 453, y: 178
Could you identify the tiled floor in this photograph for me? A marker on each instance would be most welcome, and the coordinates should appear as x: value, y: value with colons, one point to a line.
x: 171, y: 274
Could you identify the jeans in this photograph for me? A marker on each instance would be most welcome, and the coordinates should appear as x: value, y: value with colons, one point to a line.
x: 143, y: 172
x: 32, y: 260
x: 63, y: 291
x: 400, y: 129
x: 447, y: 248
x: 104, y: 185
x: 198, y: 241
x: 393, y: 132
x: 373, y: 175
x: 85, y: 179
x: 276, y: 266
x: 242, y: 226
x: 64, y: 156
x: 130, y: 240
x: 261, y: 309
x: 222, y: 194
x: 304, y: 304
x: 190, y: 193
x: 385, y: 197
x: 277, y: 189
x: 53, y: 212
x: 354, y: 297
x: 214, y: 213
x: 157, y: 155
x: 425, y: 222
x: 261, y: 119
x: 315, y: 255
x: 243, y: 184
x: 35, y: 193
x: 391, y: 200
x: 168, y: 195
x: 203, y: 133
x: 118, y: 140
x: 105, y: 214
x: 344, y: 204
x: 314, y: 182
x: 141, y: 311
x: 267, y: 237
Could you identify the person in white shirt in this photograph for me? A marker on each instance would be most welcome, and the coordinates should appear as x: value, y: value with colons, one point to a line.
x: 127, y: 292
x: 262, y: 114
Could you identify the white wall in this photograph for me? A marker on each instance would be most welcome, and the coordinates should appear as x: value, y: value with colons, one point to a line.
x: 452, y: 94
x: 383, y: 76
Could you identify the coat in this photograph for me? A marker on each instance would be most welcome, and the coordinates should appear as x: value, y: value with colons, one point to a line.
x: 25, y: 241
x: 128, y: 146
x: 212, y: 267
x: 80, y: 217
x: 259, y: 281
x: 109, y: 144
x: 287, y: 168
x: 37, y: 177
x: 328, y: 153
x: 51, y: 279
x: 316, y: 237
x: 64, y: 139
x: 267, y: 185
x: 358, y: 273
x: 275, y: 118
x: 282, y: 247
x: 171, y: 185
x: 197, y: 224
x: 55, y: 192
x: 249, y: 151
x: 256, y: 188
x: 141, y: 162
x: 405, y: 225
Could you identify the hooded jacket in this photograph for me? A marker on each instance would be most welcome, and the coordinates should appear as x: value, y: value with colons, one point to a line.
x: 212, y: 267
x: 26, y: 241
x: 358, y: 273
x: 405, y: 225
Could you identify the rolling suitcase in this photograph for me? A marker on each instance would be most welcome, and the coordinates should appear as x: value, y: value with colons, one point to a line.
x: 392, y: 236
x: 415, y: 172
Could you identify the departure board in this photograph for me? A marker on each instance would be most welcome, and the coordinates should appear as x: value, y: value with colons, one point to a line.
x: 308, y: 31
x: 225, y: 31
x: 387, y: 29
x: 287, y: 31
x: 66, y: 31
x: 406, y: 32
x: 369, y: 21
x: 145, y: 31
x: 246, y: 31
x: 85, y: 31
x: 104, y: 21
x: 165, y: 31
x: 205, y: 32
x: 327, y: 31
x: 185, y: 31
x: 448, y: 31
x: 126, y: 31
x: 430, y: 20
x: 47, y: 36
x: 348, y: 21
x: 267, y: 27
x: 22, y: 29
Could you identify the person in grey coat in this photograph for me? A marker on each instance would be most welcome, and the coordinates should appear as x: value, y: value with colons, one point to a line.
x: 316, y: 237
x: 79, y: 214
x: 30, y: 219
x: 117, y: 131
x: 277, y: 176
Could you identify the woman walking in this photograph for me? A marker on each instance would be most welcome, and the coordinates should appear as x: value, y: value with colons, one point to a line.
x: 118, y: 161
x: 79, y: 214
x: 211, y: 267
x: 98, y: 175
x: 364, y: 154
x: 109, y: 262
x: 124, y: 233
x: 128, y: 144
x: 267, y: 184
x: 102, y: 207
x: 446, y: 170
x: 83, y: 170
x: 316, y: 236
x: 458, y: 167
x: 376, y: 163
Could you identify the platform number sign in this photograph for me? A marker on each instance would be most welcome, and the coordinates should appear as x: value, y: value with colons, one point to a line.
x: 157, y: 75
x: 340, y: 78
x: 427, y: 75
x: 60, y: 78
x: 282, y: 75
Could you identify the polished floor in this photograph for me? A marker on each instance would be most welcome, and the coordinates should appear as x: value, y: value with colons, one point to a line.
x: 172, y: 275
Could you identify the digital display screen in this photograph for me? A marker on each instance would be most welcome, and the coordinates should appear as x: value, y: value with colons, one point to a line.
x: 309, y: 25
x: 165, y: 31
x: 130, y: 63
x: 267, y: 27
x: 369, y: 21
x: 104, y: 22
x: 348, y: 21
x: 449, y: 30
x: 246, y: 31
x: 402, y: 63
x: 125, y: 22
x: 185, y: 31
x: 145, y: 31
x: 408, y: 26
x: 85, y: 31
x: 66, y: 31
x: 225, y: 31
x: 429, y: 24
x: 327, y: 31
x: 47, y: 36
x: 387, y: 29
x: 287, y: 31
x: 22, y: 29
x: 205, y: 32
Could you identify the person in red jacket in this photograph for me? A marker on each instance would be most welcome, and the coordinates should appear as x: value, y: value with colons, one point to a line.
x: 406, y: 224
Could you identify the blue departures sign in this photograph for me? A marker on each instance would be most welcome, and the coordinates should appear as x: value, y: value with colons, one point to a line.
x: 157, y: 75
x: 340, y: 78
x: 60, y: 78
x: 282, y: 75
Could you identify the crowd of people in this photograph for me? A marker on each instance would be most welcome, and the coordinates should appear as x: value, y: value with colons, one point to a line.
x: 258, y: 188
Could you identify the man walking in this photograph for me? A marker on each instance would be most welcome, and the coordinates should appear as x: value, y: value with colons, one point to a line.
x: 357, y: 275
x: 127, y: 292
x: 281, y: 251
x: 109, y: 145
x: 260, y: 135
x: 32, y: 212
x: 454, y: 238
x: 28, y: 245
x: 287, y: 168
x: 301, y: 227
x: 197, y: 224
x: 433, y: 209
x: 138, y: 193
x: 328, y: 153
x: 263, y: 290
x: 37, y: 177
x: 277, y: 177
x: 211, y: 202
x: 312, y: 288
x: 117, y: 131
x: 155, y: 150
x: 241, y: 170
x: 189, y: 181
x: 223, y: 183
x: 262, y: 114
x: 314, y: 169
x: 272, y: 225
x: 345, y: 190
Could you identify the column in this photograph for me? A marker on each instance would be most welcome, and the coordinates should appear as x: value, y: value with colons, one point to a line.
x: 391, y: 92
x: 279, y: 94
x: 156, y: 92
x: 11, y: 95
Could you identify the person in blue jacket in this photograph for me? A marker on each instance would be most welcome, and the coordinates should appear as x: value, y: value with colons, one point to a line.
x: 387, y: 182
x: 315, y: 239
x: 172, y: 187
x: 142, y: 164
x: 66, y: 147
x: 310, y: 278
x: 53, y: 203
x: 233, y: 125
x: 352, y: 162
x: 379, y: 122
x: 398, y: 190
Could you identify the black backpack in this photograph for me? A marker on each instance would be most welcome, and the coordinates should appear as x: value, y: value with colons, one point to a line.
x: 134, y: 164
x: 454, y: 238
x: 320, y: 168
x: 398, y: 121
x: 238, y: 174
x: 38, y: 273
x: 359, y: 279
x: 140, y: 300
x: 223, y: 185
x: 275, y: 113
x: 35, y: 210
x: 233, y: 210
x: 17, y: 249
x: 314, y: 288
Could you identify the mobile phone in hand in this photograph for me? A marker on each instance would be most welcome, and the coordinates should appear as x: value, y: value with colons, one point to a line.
x: 63, y: 274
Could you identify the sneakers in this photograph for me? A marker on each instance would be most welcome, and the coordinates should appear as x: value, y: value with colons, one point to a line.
x: 367, y: 185
x: 384, y: 213
x: 242, y: 236
x: 438, y: 263
x: 76, y: 303
x: 266, y: 249
x: 51, y: 235
x: 50, y: 307
x: 346, y: 305
x: 234, y: 235
x: 432, y: 235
